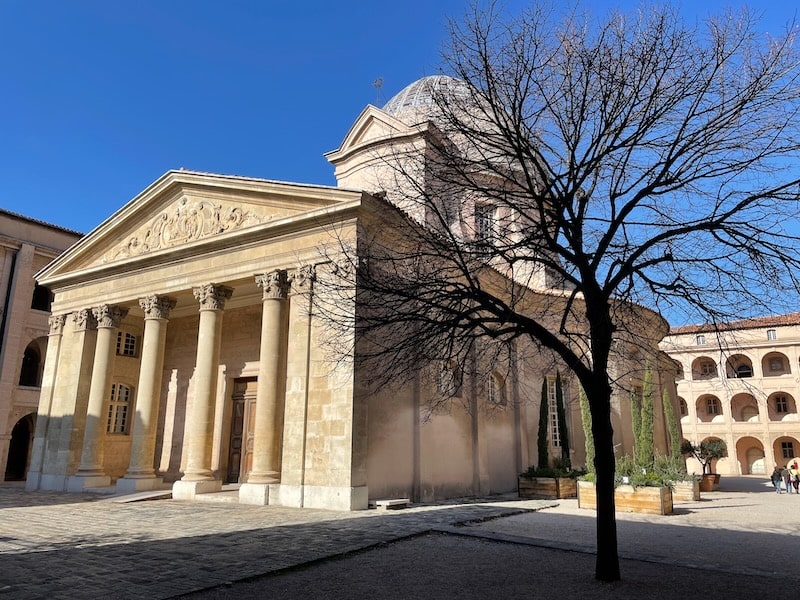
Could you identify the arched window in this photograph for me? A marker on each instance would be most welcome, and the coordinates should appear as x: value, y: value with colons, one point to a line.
x: 119, y: 408
x: 29, y: 373
x: 495, y: 392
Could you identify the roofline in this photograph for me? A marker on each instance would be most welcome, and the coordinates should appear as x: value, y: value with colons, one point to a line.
x: 754, y: 323
x: 15, y: 215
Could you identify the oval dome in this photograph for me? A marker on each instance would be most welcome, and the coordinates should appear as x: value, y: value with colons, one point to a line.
x: 417, y: 100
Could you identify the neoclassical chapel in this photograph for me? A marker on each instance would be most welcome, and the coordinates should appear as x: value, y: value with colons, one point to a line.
x: 183, y: 351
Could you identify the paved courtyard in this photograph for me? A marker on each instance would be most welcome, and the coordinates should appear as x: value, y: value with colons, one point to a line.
x: 81, y: 546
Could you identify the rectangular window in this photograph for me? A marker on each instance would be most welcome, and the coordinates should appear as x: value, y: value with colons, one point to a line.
x: 700, y: 340
x: 118, y: 409
x: 772, y: 335
x: 126, y: 344
x: 712, y: 406
x: 781, y: 404
x: 708, y: 368
x: 484, y: 223
x: 555, y: 435
x: 787, y: 449
x: 775, y: 364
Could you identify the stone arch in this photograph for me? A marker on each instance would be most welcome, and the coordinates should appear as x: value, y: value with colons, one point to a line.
x: 784, y: 448
x: 781, y: 406
x: 744, y: 408
x: 709, y: 409
x: 19, y: 449
x: 738, y: 366
x: 704, y: 367
x: 751, y: 457
x: 30, y: 371
x: 775, y: 364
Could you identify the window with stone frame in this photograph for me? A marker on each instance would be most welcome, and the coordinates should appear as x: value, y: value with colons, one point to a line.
x: 119, y: 409
x: 712, y: 406
x: 495, y: 390
x: 772, y: 335
x: 708, y: 368
x: 126, y: 344
x: 700, y: 340
x: 781, y: 404
x: 485, y: 223
x: 787, y: 449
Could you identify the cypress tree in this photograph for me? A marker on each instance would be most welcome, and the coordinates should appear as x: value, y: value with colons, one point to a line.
x: 562, y: 424
x: 542, y: 440
x: 672, y: 426
x: 586, y: 421
x: 636, y: 419
x: 644, y: 443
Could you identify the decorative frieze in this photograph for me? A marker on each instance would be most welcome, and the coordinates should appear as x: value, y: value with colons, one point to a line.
x: 108, y: 315
x: 186, y: 221
x: 274, y: 284
x: 56, y: 323
x: 157, y: 307
x: 211, y: 296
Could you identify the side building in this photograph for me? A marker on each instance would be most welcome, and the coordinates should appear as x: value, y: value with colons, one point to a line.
x: 26, y: 245
x: 739, y: 382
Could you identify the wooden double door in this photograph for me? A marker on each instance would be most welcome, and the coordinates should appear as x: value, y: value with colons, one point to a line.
x: 240, y: 453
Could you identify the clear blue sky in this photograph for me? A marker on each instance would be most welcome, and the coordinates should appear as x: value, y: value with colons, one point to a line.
x: 98, y: 98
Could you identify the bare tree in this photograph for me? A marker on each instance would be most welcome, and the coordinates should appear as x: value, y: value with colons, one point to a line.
x: 575, y: 170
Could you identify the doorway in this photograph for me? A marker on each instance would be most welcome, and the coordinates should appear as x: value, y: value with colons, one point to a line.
x: 240, y: 453
x: 19, y: 450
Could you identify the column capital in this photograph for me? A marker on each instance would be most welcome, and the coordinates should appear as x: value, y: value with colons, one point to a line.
x: 212, y: 296
x: 302, y: 279
x: 109, y: 315
x: 56, y: 323
x: 84, y: 320
x: 157, y: 307
x: 274, y: 284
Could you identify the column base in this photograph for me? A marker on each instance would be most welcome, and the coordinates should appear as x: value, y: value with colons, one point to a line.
x: 255, y: 493
x: 43, y: 481
x: 81, y: 483
x: 139, y: 484
x: 188, y: 490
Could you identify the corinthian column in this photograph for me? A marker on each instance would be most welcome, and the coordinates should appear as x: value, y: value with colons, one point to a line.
x: 90, y: 472
x: 271, y: 383
x: 141, y: 473
x: 198, y: 477
x: 45, y: 401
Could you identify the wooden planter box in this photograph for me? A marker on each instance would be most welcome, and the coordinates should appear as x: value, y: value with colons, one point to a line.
x: 686, y: 491
x: 649, y: 500
x: 548, y: 488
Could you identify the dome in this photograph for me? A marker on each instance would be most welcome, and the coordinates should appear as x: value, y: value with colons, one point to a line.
x: 419, y: 98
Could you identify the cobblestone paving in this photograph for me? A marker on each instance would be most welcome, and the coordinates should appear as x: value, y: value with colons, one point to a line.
x: 56, y: 545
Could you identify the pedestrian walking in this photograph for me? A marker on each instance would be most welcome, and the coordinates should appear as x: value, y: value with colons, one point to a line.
x: 776, y: 479
x: 787, y: 480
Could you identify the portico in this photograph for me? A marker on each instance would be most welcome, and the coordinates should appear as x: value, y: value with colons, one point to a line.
x: 213, y: 291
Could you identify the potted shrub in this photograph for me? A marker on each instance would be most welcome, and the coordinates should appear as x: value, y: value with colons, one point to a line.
x: 707, y: 453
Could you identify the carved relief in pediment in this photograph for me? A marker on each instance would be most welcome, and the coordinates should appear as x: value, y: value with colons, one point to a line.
x: 184, y: 222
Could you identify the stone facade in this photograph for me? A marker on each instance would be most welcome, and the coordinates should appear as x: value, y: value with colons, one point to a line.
x: 26, y: 245
x: 222, y: 371
x: 739, y: 383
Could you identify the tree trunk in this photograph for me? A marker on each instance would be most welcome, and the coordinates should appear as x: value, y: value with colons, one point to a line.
x: 607, y: 563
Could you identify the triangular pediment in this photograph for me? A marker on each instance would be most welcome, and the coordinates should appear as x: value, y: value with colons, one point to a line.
x: 372, y: 126
x: 186, y: 209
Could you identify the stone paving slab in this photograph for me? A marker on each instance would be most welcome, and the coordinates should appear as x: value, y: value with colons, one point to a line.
x: 76, y: 546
